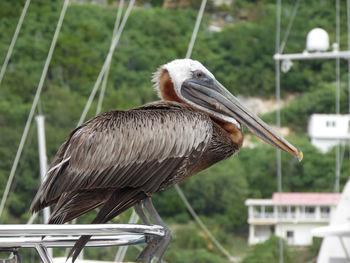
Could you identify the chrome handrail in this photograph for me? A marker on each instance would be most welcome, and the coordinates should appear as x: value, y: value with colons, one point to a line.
x: 79, y: 229
x: 30, y: 236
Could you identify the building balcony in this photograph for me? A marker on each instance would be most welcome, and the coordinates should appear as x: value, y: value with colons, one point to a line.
x: 272, y: 218
x: 290, y: 216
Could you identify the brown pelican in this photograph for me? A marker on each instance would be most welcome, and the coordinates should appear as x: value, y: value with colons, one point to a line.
x: 119, y: 159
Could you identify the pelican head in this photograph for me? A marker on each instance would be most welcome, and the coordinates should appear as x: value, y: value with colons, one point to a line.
x: 188, y: 81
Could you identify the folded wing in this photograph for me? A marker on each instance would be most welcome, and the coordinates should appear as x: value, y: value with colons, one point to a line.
x: 135, y: 150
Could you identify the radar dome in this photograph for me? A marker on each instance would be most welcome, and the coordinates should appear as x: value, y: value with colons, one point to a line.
x: 317, y: 40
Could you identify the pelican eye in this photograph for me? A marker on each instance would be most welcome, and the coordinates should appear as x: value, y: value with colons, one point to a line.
x: 198, y: 74
x: 201, y: 77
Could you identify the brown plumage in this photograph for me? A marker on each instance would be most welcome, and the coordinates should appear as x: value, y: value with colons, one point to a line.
x: 101, y: 160
x: 121, y: 158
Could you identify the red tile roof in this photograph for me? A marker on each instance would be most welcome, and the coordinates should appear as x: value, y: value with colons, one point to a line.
x: 305, y: 198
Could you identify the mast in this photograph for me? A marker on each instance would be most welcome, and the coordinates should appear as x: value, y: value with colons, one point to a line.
x: 42, y: 157
x: 40, y: 119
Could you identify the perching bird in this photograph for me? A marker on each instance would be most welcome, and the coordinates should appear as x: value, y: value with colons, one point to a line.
x: 119, y: 159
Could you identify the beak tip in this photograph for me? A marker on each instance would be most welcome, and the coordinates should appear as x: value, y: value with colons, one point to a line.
x: 300, y: 155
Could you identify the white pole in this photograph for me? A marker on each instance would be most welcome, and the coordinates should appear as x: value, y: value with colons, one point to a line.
x: 278, y: 119
x: 337, y: 99
x: 317, y: 55
x: 42, y: 157
x: 43, y: 162
x: 42, y: 145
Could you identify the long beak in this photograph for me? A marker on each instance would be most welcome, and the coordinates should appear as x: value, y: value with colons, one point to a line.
x: 214, y: 97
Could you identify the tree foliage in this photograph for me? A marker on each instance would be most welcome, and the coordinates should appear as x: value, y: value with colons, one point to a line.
x: 268, y: 252
x: 240, y: 56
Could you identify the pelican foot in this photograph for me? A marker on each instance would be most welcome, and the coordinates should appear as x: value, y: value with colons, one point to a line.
x: 162, y: 247
x: 148, y: 252
x: 156, y: 247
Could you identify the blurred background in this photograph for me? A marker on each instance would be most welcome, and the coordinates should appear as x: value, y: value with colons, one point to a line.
x: 236, y: 42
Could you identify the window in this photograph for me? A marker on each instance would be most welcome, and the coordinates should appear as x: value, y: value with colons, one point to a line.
x: 283, y: 212
x: 310, y: 211
x: 292, y: 211
x: 257, y: 211
x: 287, y: 211
x: 269, y: 212
x: 290, y: 237
x: 325, y: 211
x: 330, y: 123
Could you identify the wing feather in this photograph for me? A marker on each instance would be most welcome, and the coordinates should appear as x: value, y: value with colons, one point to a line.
x: 137, y: 148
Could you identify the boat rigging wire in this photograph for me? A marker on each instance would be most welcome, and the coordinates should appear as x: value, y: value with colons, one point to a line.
x: 339, y: 156
x: 22, y: 161
x: 35, y: 103
x: 117, y: 31
x: 289, y: 27
x: 13, y: 41
x: 196, y: 27
x: 201, y: 224
x: 122, y: 251
x: 106, y: 74
x: 177, y: 187
x: 106, y: 62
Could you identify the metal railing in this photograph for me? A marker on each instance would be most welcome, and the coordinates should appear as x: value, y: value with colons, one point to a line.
x: 289, y: 216
x: 30, y: 236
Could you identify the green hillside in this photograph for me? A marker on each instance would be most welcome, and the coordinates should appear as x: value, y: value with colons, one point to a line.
x: 240, y: 56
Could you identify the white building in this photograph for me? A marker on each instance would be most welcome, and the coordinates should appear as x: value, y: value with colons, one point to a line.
x: 327, y: 130
x: 300, y: 213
